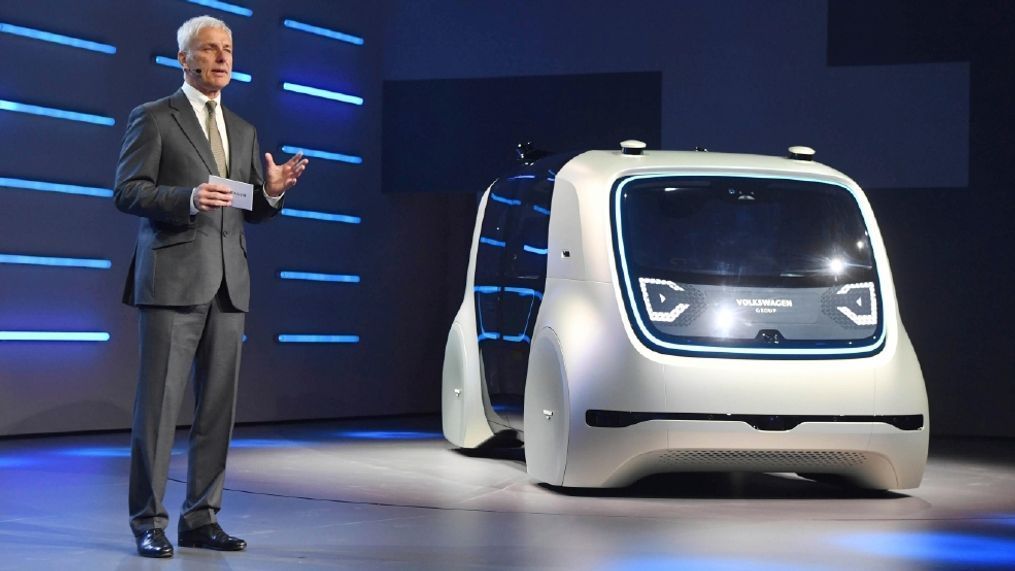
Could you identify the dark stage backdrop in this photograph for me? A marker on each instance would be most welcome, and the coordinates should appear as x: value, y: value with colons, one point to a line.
x: 458, y: 134
x: 909, y: 98
x: 396, y: 248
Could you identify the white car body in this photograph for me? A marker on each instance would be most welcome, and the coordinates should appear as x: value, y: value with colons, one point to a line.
x: 609, y: 399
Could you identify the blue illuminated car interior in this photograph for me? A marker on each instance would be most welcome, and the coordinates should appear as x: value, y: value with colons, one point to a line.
x: 510, y: 276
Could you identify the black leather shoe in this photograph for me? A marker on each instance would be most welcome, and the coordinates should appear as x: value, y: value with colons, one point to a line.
x: 153, y: 543
x: 210, y: 536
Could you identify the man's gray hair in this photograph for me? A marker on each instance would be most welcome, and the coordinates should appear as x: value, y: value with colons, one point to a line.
x: 189, y: 30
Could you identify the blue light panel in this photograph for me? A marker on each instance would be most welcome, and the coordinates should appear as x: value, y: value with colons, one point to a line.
x: 175, y: 63
x: 93, y: 263
x: 325, y: 216
x: 6, y: 105
x: 225, y: 7
x: 55, y: 187
x: 535, y: 250
x: 322, y: 93
x: 521, y: 177
x: 541, y: 210
x: 56, y: 38
x: 324, y: 32
x: 326, y: 155
x: 318, y: 277
x: 300, y: 338
x: 100, y: 336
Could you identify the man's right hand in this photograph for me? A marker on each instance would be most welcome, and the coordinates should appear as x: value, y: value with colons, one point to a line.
x: 210, y: 196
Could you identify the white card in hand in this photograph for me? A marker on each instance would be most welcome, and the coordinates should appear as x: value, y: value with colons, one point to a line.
x: 243, y: 193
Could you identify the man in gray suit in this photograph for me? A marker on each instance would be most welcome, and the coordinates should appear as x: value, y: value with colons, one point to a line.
x: 190, y: 282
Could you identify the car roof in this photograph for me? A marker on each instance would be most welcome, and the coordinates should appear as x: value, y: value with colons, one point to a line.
x: 615, y: 163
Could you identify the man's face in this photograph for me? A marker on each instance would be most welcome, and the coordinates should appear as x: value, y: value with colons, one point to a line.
x: 209, y: 60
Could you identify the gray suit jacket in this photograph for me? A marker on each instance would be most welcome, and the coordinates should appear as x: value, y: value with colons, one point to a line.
x: 180, y: 259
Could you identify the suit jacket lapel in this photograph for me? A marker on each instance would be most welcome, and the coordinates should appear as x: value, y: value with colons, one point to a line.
x: 183, y: 112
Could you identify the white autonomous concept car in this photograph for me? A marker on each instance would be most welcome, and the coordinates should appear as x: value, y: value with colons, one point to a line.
x: 634, y: 312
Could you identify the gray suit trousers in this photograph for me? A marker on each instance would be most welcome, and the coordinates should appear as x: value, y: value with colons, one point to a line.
x: 209, y: 339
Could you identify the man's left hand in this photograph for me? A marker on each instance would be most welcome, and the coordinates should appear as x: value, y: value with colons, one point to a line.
x: 280, y: 178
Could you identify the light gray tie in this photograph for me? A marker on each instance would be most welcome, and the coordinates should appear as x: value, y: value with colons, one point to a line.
x: 216, y: 141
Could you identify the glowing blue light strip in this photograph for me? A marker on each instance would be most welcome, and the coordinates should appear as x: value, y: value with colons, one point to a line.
x: 6, y: 105
x: 300, y: 338
x: 326, y: 216
x: 93, y: 263
x: 56, y: 38
x: 491, y: 242
x: 704, y: 348
x: 326, y: 155
x: 508, y: 201
x: 324, y: 32
x: 535, y: 250
x: 225, y: 7
x: 55, y: 187
x: 175, y: 63
x: 98, y: 336
x: 525, y: 291
x: 521, y: 177
x: 541, y: 210
x: 522, y: 338
x: 317, y: 277
x: 322, y: 93
x: 522, y: 291
x: 487, y: 335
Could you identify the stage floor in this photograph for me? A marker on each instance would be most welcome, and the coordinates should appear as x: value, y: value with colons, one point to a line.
x: 392, y: 494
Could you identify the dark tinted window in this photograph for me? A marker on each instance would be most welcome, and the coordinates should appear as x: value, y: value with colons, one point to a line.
x: 746, y: 263
x: 510, y: 276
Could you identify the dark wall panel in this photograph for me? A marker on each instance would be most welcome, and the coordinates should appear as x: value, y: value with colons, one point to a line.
x: 909, y: 98
x: 949, y: 246
x: 65, y: 386
x: 459, y: 134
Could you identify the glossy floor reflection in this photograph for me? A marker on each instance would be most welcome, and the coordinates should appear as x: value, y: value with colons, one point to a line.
x: 392, y: 494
